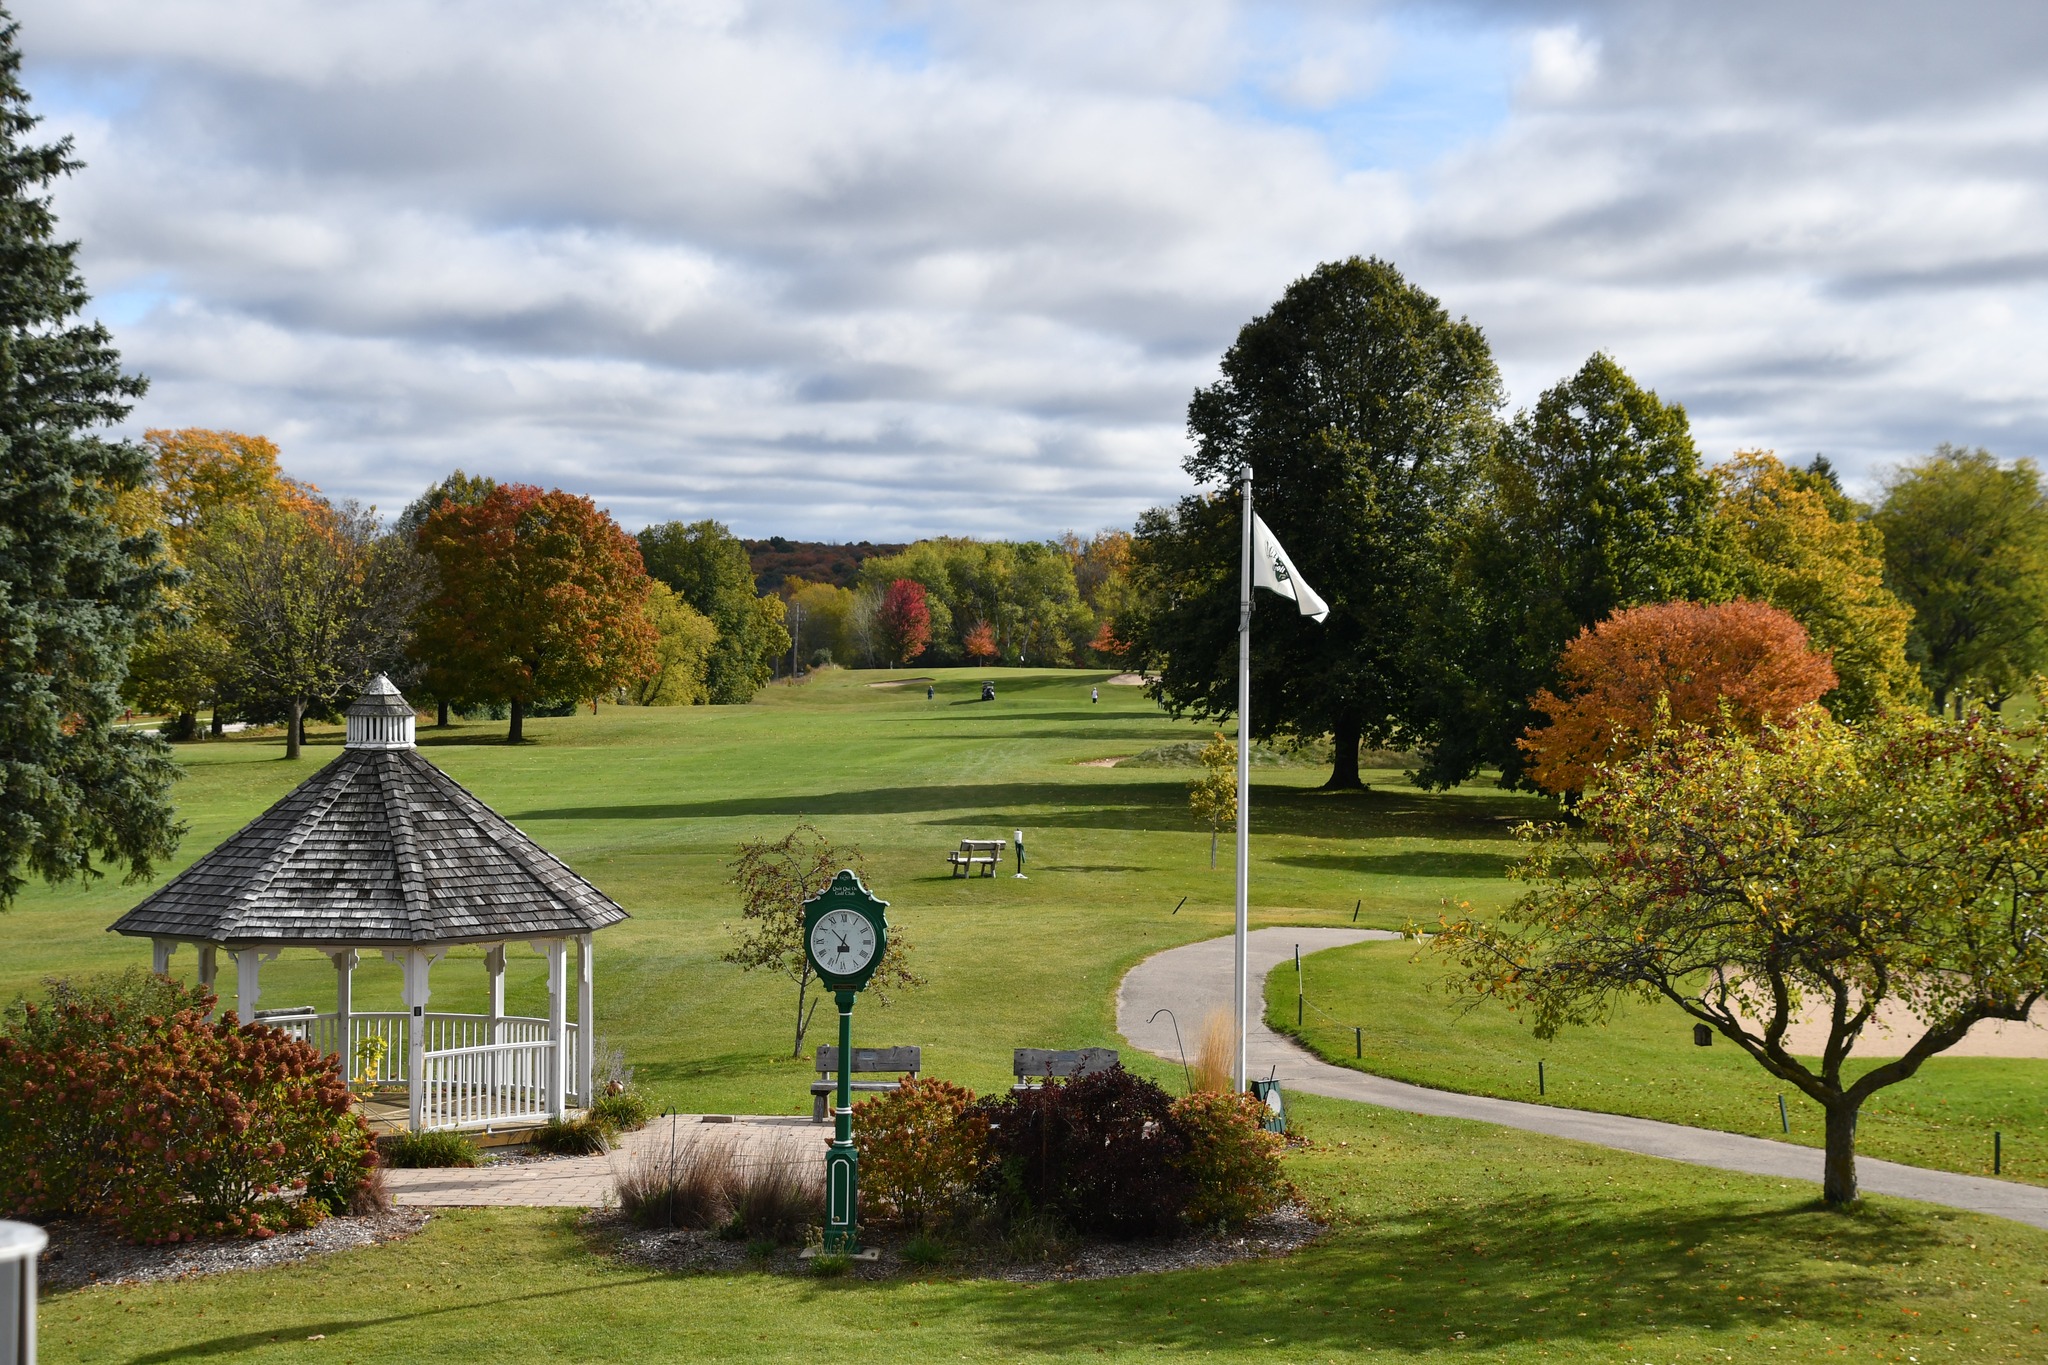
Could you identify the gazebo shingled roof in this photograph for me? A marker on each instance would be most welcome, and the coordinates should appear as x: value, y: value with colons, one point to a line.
x: 378, y: 848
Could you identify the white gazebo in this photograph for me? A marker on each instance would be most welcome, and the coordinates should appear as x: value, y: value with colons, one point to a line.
x: 380, y: 851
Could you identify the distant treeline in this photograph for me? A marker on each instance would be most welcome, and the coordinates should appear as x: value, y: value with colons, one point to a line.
x: 815, y: 561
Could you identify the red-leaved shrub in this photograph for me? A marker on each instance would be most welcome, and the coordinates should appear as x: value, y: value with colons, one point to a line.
x: 1232, y: 1163
x: 1100, y: 1153
x: 920, y: 1147
x: 131, y: 1106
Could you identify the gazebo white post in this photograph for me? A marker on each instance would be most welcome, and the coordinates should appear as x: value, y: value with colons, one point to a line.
x: 494, y: 969
x: 248, y: 988
x: 494, y: 1026
x: 558, y: 1024
x: 160, y: 950
x: 417, y: 965
x: 585, y: 1021
x: 344, y: 1011
x: 209, y: 965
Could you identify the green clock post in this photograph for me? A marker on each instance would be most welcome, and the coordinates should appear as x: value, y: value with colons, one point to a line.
x: 845, y: 933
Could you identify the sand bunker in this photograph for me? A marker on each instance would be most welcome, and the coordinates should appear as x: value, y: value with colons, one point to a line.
x: 1894, y: 1030
x: 1128, y: 680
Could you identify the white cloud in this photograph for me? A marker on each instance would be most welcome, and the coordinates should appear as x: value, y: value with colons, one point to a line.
x: 877, y: 271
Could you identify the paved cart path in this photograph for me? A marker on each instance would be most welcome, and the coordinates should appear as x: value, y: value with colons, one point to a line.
x: 1195, y: 979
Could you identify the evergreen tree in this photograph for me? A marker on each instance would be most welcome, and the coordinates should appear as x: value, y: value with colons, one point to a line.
x: 73, y: 589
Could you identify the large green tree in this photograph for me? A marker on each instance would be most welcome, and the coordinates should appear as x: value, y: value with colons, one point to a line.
x: 75, y: 790
x: 1591, y: 502
x: 1966, y: 547
x: 707, y: 566
x: 1362, y: 408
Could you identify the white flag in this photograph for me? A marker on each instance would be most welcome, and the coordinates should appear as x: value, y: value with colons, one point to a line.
x: 1275, y: 572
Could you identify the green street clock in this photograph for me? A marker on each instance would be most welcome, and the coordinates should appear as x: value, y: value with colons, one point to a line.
x: 846, y: 932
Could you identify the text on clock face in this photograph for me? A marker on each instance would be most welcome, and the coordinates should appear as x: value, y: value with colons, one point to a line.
x: 843, y: 940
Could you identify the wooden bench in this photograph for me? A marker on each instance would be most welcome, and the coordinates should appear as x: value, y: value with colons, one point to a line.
x: 1029, y: 1064
x: 901, y: 1060
x: 973, y: 853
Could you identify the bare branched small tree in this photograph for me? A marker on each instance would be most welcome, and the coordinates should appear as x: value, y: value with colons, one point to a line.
x: 775, y: 878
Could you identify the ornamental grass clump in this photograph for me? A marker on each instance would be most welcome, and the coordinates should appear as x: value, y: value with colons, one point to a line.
x: 621, y: 1112
x: 129, y: 1105
x: 777, y: 1194
x: 430, y: 1151
x: 689, y: 1184
x: 572, y: 1137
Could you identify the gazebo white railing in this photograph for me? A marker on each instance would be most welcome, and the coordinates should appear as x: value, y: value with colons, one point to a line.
x: 474, y: 1070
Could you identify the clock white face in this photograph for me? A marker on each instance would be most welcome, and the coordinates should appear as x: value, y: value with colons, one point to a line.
x: 842, y: 942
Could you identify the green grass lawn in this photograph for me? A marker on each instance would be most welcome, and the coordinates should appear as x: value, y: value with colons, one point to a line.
x: 1450, y: 1241
x: 1643, y: 1062
x: 649, y: 805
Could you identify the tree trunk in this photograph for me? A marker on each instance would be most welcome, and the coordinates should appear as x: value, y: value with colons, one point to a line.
x: 517, y: 734
x: 1344, y: 756
x: 294, y: 728
x: 184, y: 726
x: 214, y: 726
x: 1940, y: 701
x: 441, y: 713
x: 1212, y: 848
x: 1838, y: 1184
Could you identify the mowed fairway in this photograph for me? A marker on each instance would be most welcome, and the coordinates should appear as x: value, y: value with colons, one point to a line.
x: 1449, y: 1241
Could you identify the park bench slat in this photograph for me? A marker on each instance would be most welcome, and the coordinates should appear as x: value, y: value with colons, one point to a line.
x: 1037, y: 1063
x: 902, y: 1060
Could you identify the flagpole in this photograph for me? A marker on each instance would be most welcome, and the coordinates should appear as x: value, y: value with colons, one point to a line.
x: 1244, y: 780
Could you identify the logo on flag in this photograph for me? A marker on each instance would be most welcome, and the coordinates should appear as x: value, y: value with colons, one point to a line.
x: 1275, y: 572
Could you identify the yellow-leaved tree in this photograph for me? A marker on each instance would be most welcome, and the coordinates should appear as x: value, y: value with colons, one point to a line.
x: 1212, y: 797
x: 1803, y: 548
x: 200, y: 476
x: 682, y: 653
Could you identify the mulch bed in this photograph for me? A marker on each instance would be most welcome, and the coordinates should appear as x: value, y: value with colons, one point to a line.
x: 80, y: 1254
x: 1286, y: 1230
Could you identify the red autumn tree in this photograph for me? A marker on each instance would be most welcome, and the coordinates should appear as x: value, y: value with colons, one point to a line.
x: 540, y: 600
x: 1670, y: 663
x: 905, y: 621
x: 980, y: 643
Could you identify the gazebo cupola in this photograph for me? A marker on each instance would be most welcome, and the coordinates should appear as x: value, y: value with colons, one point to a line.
x: 380, y: 851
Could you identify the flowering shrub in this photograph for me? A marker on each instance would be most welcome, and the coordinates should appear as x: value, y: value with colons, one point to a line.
x: 920, y: 1147
x: 170, y: 1125
x: 1232, y: 1163
x: 1101, y: 1153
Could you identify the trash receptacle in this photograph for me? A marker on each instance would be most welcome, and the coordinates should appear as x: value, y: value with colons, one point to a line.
x: 1268, y: 1093
x: 20, y: 1244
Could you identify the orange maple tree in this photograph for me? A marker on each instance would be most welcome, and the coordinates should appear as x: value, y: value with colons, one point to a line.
x: 980, y: 643
x: 540, y: 599
x: 1669, y: 664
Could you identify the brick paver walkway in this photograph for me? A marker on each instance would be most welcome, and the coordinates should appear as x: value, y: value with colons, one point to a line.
x: 586, y: 1181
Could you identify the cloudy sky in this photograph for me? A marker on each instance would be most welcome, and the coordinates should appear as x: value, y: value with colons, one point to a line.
x: 875, y: 270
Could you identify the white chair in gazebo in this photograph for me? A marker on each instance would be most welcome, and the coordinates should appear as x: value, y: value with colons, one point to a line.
x: 380, y: 851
